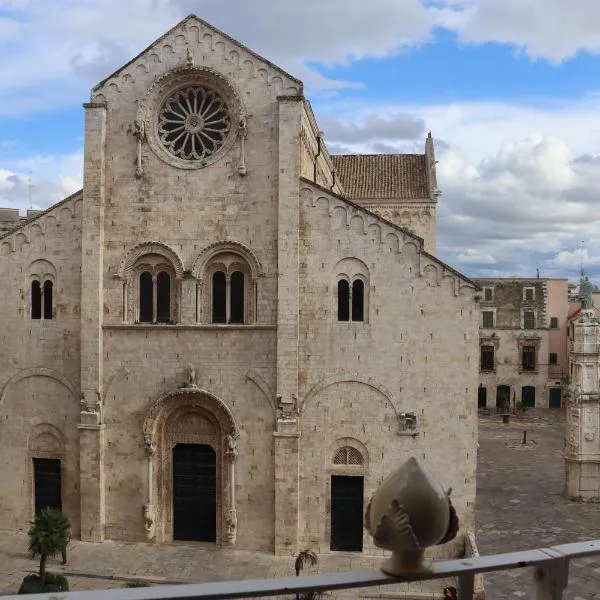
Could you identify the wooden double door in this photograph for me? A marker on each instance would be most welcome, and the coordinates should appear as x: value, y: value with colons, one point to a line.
x: 194, y: 493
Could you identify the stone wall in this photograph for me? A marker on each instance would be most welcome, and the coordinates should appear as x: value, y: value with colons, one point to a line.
x: 39, y: 358
x: 415, y: 352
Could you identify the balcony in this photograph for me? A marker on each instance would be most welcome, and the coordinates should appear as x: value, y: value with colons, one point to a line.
x: 549, y: 566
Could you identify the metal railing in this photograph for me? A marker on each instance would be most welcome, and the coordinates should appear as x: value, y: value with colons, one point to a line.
x: 551, y: 574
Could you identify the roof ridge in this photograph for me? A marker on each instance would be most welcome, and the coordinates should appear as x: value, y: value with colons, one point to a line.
x: 396, y: 227
x: 190, y: 17
x: 384, y: 176
x: 40, y: 214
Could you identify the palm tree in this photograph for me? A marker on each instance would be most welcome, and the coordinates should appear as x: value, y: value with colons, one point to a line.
x: 306, y: 557
x: 49, y: 535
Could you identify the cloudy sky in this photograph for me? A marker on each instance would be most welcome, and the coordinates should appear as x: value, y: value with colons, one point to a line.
x: 509, y: 88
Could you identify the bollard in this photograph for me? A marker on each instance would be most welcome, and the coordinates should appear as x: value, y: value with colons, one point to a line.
x: 525, y: 436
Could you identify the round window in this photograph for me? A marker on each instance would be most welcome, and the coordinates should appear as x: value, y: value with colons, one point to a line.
x: 194, y: 123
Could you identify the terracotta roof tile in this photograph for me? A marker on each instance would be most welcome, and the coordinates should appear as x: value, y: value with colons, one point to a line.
x: 382, y: 176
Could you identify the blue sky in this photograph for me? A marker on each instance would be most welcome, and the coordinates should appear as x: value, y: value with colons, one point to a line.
x: 509, y: 88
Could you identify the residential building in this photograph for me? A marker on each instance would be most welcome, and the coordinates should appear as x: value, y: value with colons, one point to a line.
x: 522, y: 342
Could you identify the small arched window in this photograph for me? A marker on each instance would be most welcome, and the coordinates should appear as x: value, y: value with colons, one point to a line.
x: 236, y: 297
x: 358, y: 300
x: 343, y: 297
x: 348, y: 455
x: 36, y: 299
x: 351, y: 300
x: 219, y: 297
x: 48, y: 286
x: 163, y: 297
x: 146, y: 298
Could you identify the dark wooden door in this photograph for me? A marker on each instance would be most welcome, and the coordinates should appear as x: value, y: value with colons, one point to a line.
x: 46, y: 483
x: 481, y: 397
x: 528, y: 396
x: 503, y: 397
x: 194, y: 493
x: 347, y: 513
x: 555, y: 397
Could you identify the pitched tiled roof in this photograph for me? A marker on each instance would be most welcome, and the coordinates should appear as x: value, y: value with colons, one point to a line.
x: 382, y: 176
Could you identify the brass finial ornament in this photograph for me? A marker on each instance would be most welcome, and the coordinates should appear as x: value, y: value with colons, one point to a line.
x: 409, y: 512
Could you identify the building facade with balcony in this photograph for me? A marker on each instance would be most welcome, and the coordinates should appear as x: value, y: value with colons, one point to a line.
x: 522, y: 342
x: 214, y: 340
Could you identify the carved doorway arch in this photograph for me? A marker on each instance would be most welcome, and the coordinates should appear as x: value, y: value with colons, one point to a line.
x: 189, y: 416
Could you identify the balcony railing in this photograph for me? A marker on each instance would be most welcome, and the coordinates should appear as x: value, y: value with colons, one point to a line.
x: 550, y: 574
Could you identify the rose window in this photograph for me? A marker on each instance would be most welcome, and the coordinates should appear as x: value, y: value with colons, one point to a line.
x: 194, y: 123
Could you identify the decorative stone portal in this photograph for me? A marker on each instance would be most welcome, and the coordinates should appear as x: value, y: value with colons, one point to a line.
x: 191, y: 444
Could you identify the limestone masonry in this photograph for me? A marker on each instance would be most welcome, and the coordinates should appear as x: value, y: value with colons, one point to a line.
x: 229, y: 335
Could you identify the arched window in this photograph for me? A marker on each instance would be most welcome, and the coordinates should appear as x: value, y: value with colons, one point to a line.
x: 48, y: 285
x: 36, y: 299
x: 151, y: 275
x: 352, y: 276
x: 163, y: 297
x: 343, y: 297
x: 236, y: 297
x: 226, y: 292
x: 146, y: 300
x: 219, y: 297
x: 358, y: 300
x: 348, y: 456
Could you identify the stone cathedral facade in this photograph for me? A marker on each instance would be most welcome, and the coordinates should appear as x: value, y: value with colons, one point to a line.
x: 229, y: 335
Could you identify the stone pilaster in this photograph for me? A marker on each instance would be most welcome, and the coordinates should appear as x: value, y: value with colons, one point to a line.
x: 91, y: 444
x: 189, y: 297
x: 286, y: 436
x: 287, y: 493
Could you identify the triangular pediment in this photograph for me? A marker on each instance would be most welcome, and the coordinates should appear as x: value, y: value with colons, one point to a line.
x: 203, y: 40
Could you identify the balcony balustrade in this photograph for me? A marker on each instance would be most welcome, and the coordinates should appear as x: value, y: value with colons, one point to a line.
x: 550, y: 569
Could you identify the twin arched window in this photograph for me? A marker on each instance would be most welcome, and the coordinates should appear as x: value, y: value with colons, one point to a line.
x: 154, y: 297
x: 228, y: 297
x: 351, y: 300
x: 41, y: 299
x: 153, y: 284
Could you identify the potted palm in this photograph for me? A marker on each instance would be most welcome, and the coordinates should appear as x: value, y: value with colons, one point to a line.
x: 49, y: 535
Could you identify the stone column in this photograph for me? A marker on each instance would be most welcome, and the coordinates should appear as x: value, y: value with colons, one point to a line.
x: 91, y: 444
x: 148, y: 510
x: 286, y: 434
x: 230, y: 534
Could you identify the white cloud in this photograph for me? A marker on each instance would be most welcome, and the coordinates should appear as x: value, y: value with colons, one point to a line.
x: 576, y: 259
x: 511, y: 202
x: 470, y: 256
x: 548, y: 29
x: 43, y: 179
x: 399, y: 126
x: 69, y: 45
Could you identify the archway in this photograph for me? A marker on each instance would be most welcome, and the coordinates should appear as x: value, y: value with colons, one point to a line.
x: 191, y: 443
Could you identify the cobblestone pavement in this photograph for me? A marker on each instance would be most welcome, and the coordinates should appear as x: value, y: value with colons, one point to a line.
x: 520, y: 505
x: 112, y: 564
